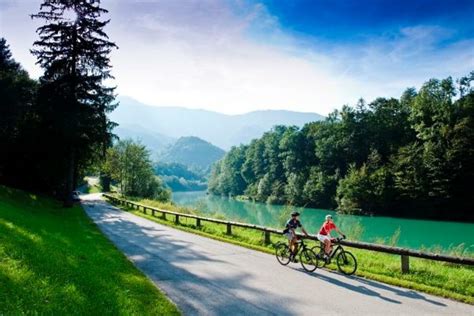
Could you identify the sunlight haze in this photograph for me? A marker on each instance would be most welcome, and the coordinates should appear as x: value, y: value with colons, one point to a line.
x: 240, y: 56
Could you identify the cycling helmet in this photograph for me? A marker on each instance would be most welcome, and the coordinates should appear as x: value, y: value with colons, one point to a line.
x: 328, y: 217
x: 295, y: 213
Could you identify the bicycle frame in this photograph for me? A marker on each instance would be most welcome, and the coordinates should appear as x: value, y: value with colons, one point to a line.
x: 335, y: 250
x: 298, y: 246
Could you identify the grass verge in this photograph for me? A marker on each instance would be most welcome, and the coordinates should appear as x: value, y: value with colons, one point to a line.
x: 437, y: 278
x: 56, y: 261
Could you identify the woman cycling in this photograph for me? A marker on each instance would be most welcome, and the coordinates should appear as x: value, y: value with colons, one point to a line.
x: 324, y: 234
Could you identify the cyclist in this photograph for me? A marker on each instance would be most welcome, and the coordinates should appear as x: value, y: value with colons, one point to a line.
x: 290, y: 232
x: 324, y: 234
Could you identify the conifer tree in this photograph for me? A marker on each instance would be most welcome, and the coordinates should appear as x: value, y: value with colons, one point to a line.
x: 74, y: 50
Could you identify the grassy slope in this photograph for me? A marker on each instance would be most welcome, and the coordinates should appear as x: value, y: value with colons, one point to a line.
x: 56, y: 261
x: 442, y: 279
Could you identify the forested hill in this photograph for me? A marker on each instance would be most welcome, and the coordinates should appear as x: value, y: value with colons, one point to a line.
x: 179, y: 177
x: 412, y: 156
x: 193, y: 152
x: 220, y: 129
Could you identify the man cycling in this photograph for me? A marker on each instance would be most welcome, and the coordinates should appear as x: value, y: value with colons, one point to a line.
x: 324, y: 234
x: 290, y: 232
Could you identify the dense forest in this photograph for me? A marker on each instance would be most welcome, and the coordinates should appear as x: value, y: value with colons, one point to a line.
x: 56, y: 129
x: 412, y: 156
x: 179, y: 177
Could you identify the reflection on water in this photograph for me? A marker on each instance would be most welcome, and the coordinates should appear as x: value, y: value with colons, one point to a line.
x: 413, y: 233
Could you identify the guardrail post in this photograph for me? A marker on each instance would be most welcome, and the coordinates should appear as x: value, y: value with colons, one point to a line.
x: 229, y: 229
x: 176, y: 219
x: 152, y: 212
x: 405, y: 264
x: 198, y: 222
x: 163, y: 216
x: 267, y: 240
x: 144, y: 209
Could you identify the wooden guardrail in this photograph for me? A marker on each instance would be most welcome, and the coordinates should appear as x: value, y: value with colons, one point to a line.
x: 403, y: 252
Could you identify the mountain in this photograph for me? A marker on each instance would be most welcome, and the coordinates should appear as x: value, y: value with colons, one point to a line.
x: 193, y: 152
x: 154, y: 141
x: 220, y: 129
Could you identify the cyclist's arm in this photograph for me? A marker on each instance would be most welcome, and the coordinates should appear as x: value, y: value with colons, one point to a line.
x: 304, y: 231
x: 340, y: 233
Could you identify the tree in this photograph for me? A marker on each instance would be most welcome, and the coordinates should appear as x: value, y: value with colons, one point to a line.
x: 411, y: 156
x: 366, y: 189
x: 129, y: 164
x: 17, y: 119
x: 73, y: 49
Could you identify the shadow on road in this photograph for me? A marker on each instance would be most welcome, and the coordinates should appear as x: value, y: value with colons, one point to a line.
x: 405, y: 293
x: 362, y: 288
x: 163, y: 258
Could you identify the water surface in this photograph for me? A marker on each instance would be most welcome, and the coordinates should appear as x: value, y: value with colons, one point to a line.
x: 414, y: 233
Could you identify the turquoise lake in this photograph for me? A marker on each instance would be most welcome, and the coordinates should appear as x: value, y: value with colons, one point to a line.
x: 413, y: 233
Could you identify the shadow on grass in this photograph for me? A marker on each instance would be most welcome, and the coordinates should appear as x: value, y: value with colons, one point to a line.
x: 55, y: 261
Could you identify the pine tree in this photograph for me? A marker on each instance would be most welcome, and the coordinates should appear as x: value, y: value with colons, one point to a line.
x: 74, y: 51
x: 17, y: 94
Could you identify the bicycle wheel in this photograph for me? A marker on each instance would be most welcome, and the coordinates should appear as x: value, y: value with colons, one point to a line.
x: 319, y: 251
x: 308, y: 260
x: 346, y: 262
x: 282, y: 253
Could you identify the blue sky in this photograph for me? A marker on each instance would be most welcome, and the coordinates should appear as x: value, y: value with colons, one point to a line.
x: 336, y: 21
x: 235, y: 56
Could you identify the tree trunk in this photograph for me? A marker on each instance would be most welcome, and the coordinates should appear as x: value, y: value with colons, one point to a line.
x: 69, y: 185
x: 105, y: 182
x: 75, y: 179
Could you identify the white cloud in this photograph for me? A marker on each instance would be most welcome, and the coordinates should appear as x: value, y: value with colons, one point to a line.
x: 234, y: 57
x: 200, y: 55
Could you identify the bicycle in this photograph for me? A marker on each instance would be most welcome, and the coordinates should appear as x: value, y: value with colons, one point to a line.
x: 307, y: 257
x: 346, y: 262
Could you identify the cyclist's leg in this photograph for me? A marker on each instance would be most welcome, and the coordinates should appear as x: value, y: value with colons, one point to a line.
x: 292, y: 244
x: 295, y: 244
x: 327, y: 246
x: 289, y: 236
x: 326, y: 241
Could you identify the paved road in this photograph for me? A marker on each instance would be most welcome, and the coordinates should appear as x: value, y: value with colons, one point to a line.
x: 207, y: 277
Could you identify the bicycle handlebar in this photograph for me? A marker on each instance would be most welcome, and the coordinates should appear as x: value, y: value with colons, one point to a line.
x: 338, y: 239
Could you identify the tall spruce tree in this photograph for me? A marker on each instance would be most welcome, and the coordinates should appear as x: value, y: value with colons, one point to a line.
x: 17, y: 95
x: 74, y: 51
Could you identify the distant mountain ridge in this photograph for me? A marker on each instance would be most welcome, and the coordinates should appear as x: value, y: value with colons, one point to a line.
x: 155, y: 142
x: 220, y: 129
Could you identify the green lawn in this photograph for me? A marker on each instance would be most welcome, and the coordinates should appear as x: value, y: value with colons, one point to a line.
x: 438, y: 278
x: 56, y: 261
